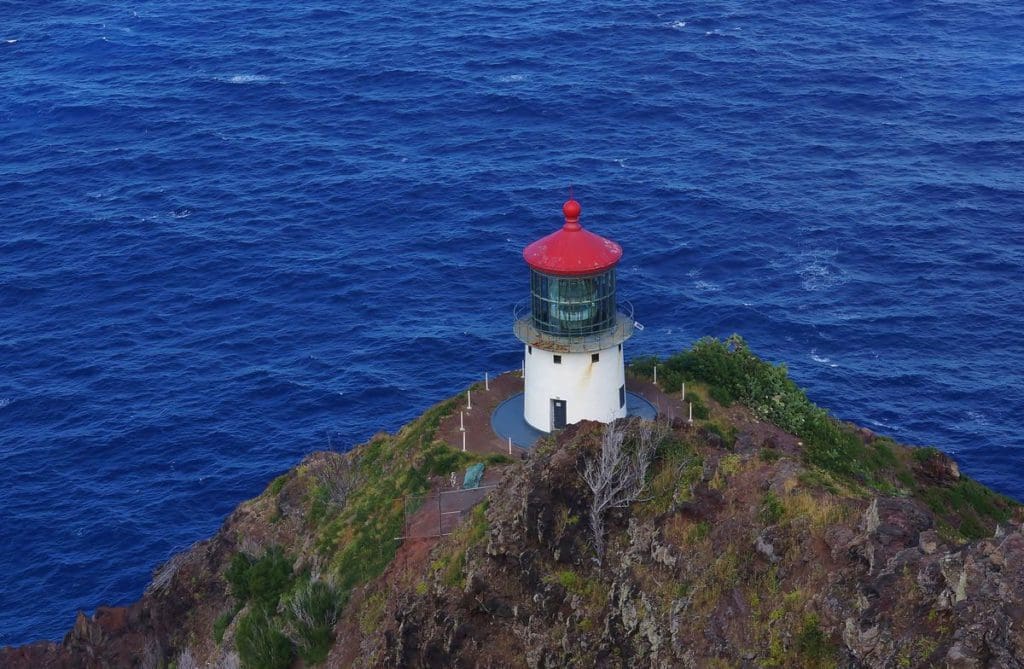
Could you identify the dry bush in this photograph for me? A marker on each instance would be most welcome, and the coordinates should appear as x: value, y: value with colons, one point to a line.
x: 617, y: 475
x: 337, y: 476
x: 186, y: 660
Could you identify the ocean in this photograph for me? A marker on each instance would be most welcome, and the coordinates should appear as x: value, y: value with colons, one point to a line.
x: 232, y: 233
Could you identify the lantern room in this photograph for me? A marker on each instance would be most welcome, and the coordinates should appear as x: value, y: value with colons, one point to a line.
x: 572, y: 328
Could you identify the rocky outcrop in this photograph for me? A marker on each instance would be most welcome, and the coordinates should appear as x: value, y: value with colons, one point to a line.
x: 831, y: 580
x: 736, y: 554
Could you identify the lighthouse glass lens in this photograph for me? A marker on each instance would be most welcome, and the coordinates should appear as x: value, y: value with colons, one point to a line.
x: 573, y: 305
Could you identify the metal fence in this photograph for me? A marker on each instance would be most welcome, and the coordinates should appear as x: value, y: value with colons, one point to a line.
x: 437, y: 514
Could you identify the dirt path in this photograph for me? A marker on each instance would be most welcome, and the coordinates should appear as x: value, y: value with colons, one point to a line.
x: 480, y: 436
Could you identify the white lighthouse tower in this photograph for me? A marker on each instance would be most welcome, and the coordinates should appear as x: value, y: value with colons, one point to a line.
x: 573, y: 329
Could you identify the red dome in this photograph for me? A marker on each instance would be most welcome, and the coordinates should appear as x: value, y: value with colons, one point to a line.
x: 572, y: 251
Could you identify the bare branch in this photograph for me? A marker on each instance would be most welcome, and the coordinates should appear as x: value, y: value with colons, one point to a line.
x: 618, y: 475
x: 337, y: 475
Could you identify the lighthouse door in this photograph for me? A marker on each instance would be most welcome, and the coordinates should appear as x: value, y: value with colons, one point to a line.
x: 557, y: 414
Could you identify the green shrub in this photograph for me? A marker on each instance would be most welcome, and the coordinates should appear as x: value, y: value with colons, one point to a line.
x: 721, y: 395
x: 830, y: 446
x: 262, y: 581
x: 925, y: 453
x: 734, y: 374
x: 771, y: 509
x: 968, y: 505
x: 270, y: 577
x: 670, y: 380
x: 260, y: 644
x: 700, y: 409
x: 700, y: 531
x: 643, y: 366
x: 592, y: 590
x: 672, y: 449
x: 440, y: 459
x: 220, y: 625
x: 319, y: 497
x: 726, y: 433
x: 811, y: 642
x: 275, y: 486
x: 881, y: 456
x: 311, y: 612
x: 971, y: 527
x: 237, y: 576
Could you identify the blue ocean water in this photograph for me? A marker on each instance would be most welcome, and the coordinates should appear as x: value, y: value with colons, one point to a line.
x: 235, y: 232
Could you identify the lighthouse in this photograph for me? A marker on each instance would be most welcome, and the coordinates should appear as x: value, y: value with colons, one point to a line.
x: 572, y: 328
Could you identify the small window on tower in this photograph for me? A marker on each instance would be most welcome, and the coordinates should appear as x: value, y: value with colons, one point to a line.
x: 529, y: 349
x: 594, y: 357
x: 620, y: 347
x: 558, y: 360
x: 622, y: 396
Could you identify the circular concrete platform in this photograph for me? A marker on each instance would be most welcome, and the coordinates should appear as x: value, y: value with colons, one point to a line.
x: 507, y: 419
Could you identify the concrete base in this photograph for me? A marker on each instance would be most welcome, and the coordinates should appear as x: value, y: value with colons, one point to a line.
x: 508, y: 421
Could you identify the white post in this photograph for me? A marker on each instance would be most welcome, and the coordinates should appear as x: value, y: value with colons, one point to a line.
x: 462, y: 423
x: 510, y: 445
x: 463, y: 440
x: 655, y: 375
x: 487, y: 382
x: 691, y: 411
x: 682, y: 393
x: 469, y: 400
x: 523, y: 373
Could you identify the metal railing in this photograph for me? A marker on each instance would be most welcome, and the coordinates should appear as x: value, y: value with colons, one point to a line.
x: 438, y: 513
x: 528, y: 333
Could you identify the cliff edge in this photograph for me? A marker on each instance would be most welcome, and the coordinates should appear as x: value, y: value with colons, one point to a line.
x: 763, y: 533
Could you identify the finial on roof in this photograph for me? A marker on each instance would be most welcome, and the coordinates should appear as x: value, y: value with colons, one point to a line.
x: 571, y: 211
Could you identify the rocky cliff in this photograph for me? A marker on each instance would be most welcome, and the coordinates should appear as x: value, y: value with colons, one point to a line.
x: 765, y: 534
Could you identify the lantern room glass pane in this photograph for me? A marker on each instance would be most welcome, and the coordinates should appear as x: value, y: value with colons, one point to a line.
x: 573, y: 305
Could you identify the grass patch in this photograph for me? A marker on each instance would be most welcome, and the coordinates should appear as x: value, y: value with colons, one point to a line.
x: 372, y: 613
x: 360, y: 539
x: 968, y: 506
x: 838, y: 459
x: 728, y: 466
x: 698, y: 532
x: 727, y: 433
x: 261, y: 645
x: 925, y: 453
x: 881, y: 455
x: 732, y: 373
x: 677, y: 467
x: 812, y: 645
x: 220, y: 625
x: 818, y: 512
x: 722, y: 576
x: 643, y: 366
x: 275, y: 486
x: 319, y: 497
x: 451, y: 565
x: 771, y: 509
x: 700, y: 409
x: 591, y: 590
x: 310, y: 612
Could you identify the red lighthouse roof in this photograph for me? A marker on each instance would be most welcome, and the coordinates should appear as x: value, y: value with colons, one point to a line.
x: 572, y: 251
